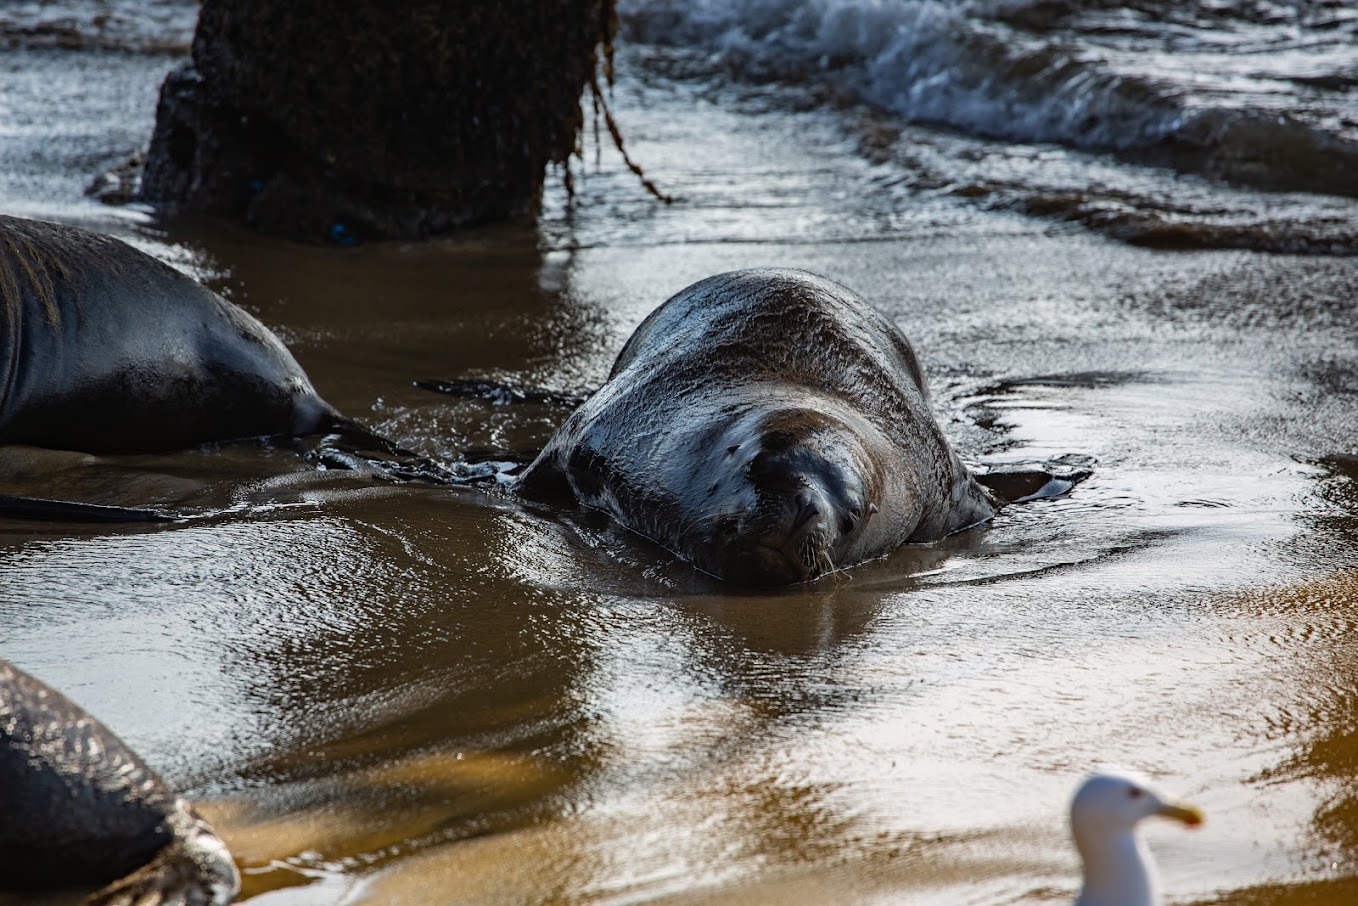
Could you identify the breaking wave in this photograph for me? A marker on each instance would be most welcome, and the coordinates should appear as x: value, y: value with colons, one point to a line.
x: 1255, y: 93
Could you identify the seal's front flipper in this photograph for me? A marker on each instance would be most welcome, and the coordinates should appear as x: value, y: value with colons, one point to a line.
x: 499, y: 392
x: 193, y: 869
x: 1022, y: 485
x: 45, y: 510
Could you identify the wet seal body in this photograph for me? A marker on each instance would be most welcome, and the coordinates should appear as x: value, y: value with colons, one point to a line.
x: 769, y: 426
x: 107, y: 350
x: 81, y: 809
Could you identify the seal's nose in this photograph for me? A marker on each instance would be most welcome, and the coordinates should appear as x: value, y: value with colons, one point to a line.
x: 808, y: 509
x: 782, y: 540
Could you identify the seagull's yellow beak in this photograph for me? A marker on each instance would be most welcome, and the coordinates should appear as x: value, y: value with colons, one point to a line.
x: 1188, y: 815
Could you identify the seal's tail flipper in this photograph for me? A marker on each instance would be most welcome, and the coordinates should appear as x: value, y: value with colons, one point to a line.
x: 351, y: 446
x: 410, y: 467
x: 40, y: 508
x: 193, y: 869
x: 359, y: 436
x: 1022, y: 485
x: 499, y: 392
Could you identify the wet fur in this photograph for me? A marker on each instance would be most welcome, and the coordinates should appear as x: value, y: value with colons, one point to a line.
x: 31, y: 270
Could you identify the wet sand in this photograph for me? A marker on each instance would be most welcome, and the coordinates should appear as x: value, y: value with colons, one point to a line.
x: 392, y: 694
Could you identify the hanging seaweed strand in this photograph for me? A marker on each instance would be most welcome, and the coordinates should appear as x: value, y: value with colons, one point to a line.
x: 608, y: 29
x: 613, y: 130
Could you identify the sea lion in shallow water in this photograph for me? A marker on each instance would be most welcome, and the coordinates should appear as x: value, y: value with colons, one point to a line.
x: 81, y: 809
x: 769, y: 426
x: 107, y: 350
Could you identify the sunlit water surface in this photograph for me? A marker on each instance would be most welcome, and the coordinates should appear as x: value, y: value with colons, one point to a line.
x: 395, y: 694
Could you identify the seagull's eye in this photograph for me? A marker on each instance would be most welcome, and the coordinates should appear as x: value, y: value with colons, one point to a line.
x: 1135, y: 792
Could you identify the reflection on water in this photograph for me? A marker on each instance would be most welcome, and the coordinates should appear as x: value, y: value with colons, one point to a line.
x: 395, y: 693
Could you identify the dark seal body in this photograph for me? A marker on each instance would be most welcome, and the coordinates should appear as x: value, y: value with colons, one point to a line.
x: 81, y: 809
x: 769, y: 426
x: 107, y: 350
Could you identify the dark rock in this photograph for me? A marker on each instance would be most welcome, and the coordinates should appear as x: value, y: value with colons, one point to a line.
x: 370, y: 119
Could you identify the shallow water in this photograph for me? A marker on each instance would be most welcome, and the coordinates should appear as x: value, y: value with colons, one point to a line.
x: 397, y: 693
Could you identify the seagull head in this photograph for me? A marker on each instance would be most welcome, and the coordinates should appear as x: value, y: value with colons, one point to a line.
x: 1104, y: 815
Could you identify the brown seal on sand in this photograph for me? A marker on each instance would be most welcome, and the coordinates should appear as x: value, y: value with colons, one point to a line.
x: 769, y: 426
x: 81, y: 809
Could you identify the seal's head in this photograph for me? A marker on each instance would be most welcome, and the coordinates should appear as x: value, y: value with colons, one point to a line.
x: 789, y: 495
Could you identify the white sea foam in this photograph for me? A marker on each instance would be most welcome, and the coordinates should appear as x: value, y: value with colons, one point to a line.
x: 1005, y: 68
x: 931, y: 61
